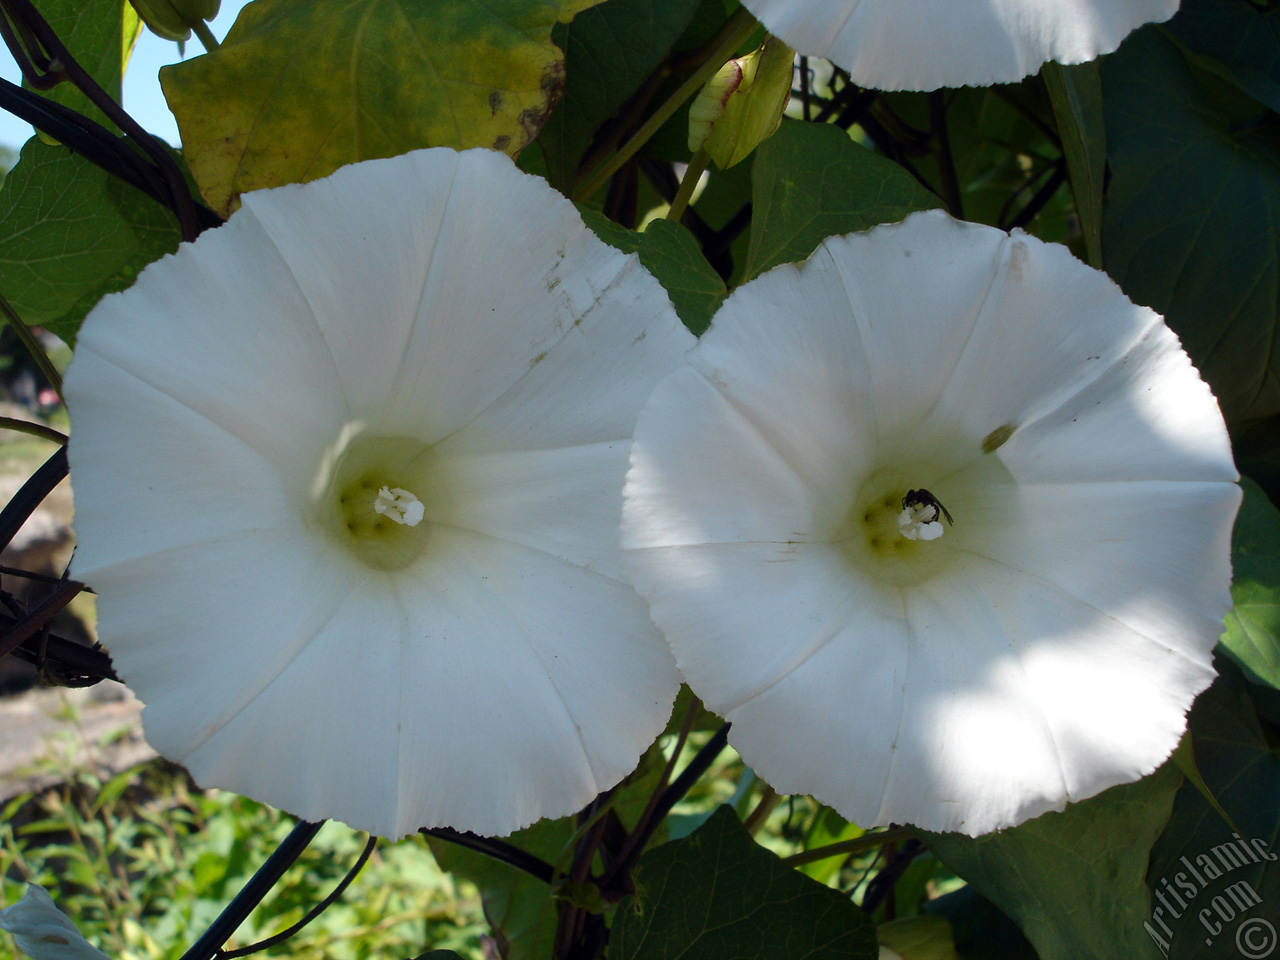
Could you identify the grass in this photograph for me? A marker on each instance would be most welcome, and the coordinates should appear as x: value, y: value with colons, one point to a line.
x: 144, y: 861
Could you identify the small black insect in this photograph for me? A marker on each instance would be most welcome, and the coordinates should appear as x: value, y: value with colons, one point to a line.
x: 923, y: 498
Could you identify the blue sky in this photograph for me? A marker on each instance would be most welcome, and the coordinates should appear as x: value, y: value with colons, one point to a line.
x: 142, y: 96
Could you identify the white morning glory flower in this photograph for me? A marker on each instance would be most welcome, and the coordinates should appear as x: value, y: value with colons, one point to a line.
x: 348, y: 478
x: 927, y: 44
x: 43, y: 932
x: 941, y: 522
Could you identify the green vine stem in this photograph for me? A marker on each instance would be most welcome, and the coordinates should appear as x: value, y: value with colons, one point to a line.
x: 205, y: 35
x: 844, y: 848
x: 692, y: 174
x: 33, y: 429
x: 178, y: 194
x: 34, y: 347
x: 259, y: 885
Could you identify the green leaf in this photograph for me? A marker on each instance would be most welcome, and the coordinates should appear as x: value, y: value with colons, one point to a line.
x: 1003, y: 151
x: 1193, y: 212
x: 520, y: 908
x: 725, y: 201
x: 670, y: 253
x: 100, y: 35
x: 1210, y: 886
x: 1252, y: 636
x: 1256, y: 446
x: 1089, y: 865
x: 980, y: 930
x: 609, y: 50
x: 1184, y: 755
x: 1242, y: 37
x: 811, y: 181
x: 113, y: 789
x: 924, y: 937
x: 70, y: 234
x: 1076, y: 94
x: 718, y: 895
x: 303, y: 88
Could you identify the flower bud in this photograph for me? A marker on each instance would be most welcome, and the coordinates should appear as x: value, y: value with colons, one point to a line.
x: 742, y: 104
x: 197, y: 9
x: 173, y: 19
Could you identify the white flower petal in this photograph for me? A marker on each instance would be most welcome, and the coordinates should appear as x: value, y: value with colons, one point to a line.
x: 1146, y: 410
x: 444, y: 253
x: 986, y: 713
x: 227, y: 614
x: 1026, y: 698
x: 702, y: 449
x: 590, y: 386
x: 438, y: 325
x: 315, y: 713
x: 1048, y: 644
x: 590, y: 690
x: 927, y: 44
x: 973, y: 750
x: 813, y: 427
x: 44, y: 932
x: 562, y: 502
x: 259, y: 386
x: 500, y: 686
x: 986, y: 284
x: 1076, y: 535
x: 200, y: 482
x: 332, y: 237
x: 847, y: 717
x: 758, y: 610
x: 1070, y: 342
x: 912, y: 357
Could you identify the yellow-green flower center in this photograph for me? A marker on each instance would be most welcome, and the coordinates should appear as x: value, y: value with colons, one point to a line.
x: 372, y: 494
x: 894, y: 530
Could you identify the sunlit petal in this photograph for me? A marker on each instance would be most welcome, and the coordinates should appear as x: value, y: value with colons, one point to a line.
x: 350, y: 487
x: 927, y: 44
x: 1045, y: 639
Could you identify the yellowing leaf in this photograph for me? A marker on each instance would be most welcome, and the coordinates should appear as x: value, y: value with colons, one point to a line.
x: 300, y: 88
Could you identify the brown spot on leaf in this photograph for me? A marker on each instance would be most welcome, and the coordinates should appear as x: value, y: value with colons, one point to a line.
x: 495, y: 102
x: 552, y: 84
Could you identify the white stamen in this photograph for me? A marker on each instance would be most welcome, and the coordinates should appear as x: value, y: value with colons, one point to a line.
x: 399, y: 505
x: 920, y: 523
